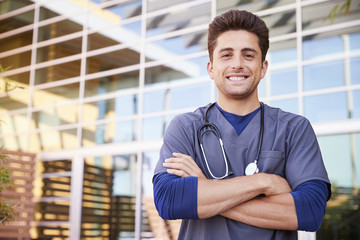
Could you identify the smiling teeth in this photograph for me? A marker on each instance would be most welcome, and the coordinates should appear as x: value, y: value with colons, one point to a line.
x: 236, y: 78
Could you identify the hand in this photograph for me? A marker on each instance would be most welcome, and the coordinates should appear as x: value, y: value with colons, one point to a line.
x: 276, y: 184
x: 183, y: 166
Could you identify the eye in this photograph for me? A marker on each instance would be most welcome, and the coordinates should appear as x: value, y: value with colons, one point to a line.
x: 226, y: 55
x: 249, y: 56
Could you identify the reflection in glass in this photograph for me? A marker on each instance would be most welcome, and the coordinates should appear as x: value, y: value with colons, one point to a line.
x: 327, y: 107
x: 283, y: 52
x: 54, y: 140
x: 53, y: 117
x: 113, y: 35
x: 177, y: 46
x: 184, y: 70
x: 316, y: 15
x: 14, y: 102
x: 356, y: 104
x: 11, y: 5
x: 252, y: 6
x: 314, y: 48
x: 341, y: 157
x: 324, y: 75
x: 109, y: 196
x: 114, y: 132
x: 15, y: 41
x: 288, y: 105
x: 56, y: 193
x: 355, y: 41
x: 118, y: 11
x: 57, y: 72
x: 180, y: 19
x: 355, y: 70
x: 110, y: 109
x: 112, y: 60
x: 58, y: 29
x: 17, y: 60
x: 17, y: 21
x: 13, y: 123
x: 46, y: 13
x: 56, y: 94
x: 281, y: 23
x: 112, y: 83
x: 59, y: 50
x: 284, y: 81
x: 153, y: 128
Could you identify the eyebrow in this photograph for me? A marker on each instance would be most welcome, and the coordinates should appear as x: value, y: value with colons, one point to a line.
x: 242, y: 50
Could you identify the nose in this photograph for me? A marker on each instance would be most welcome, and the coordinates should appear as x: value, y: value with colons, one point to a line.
x: 237, y: 63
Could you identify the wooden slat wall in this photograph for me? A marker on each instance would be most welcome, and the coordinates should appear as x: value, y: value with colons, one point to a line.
x: 21, y: 166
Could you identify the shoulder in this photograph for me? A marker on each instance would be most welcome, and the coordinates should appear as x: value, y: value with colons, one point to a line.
x: 189, y: 119
x: 284, y: 117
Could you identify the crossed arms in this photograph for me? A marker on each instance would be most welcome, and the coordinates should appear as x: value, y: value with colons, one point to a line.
x: 237, y: 198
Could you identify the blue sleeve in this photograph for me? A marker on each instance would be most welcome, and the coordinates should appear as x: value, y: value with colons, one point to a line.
x: 310, y: 201
x: 175, y: 197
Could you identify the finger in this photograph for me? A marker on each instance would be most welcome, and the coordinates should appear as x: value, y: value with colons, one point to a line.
x: 177, y: 172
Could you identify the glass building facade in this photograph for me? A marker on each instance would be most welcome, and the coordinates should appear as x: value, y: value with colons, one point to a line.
x: 93, y: 85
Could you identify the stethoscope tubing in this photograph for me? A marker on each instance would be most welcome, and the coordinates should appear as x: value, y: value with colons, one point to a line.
x: 212, y: 128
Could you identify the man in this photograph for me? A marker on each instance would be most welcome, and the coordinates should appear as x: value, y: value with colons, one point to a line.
x: 288, y: 187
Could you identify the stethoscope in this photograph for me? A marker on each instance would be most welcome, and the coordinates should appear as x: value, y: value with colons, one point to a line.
x: 251, y: 168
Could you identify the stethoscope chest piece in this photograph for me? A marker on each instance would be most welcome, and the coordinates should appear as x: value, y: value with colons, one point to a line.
x: 251, y: 169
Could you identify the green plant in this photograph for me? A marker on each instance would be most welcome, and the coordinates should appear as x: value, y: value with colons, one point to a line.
x: 6, y: 210
x: 337, y: 9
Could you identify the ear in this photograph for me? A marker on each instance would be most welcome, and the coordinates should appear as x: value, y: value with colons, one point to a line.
x: 264, y: 68
x: 210, y: 70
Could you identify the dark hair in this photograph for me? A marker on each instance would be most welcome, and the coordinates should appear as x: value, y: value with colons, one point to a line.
x: 238, y: 20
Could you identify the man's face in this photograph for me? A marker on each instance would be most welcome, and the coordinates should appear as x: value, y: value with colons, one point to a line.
x: 237, y: 67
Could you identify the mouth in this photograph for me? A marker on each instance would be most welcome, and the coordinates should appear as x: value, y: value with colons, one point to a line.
x: 237, y: 77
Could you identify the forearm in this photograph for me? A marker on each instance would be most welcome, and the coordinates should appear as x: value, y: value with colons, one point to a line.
x: 272, y: 212
x: 215, y: 197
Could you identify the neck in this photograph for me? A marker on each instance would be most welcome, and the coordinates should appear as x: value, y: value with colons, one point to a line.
x: 238, y: 106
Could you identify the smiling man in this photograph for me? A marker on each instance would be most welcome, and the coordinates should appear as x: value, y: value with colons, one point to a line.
x: 270, y: 176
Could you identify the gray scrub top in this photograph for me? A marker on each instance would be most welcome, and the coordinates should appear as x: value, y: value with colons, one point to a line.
x: 289, y: 149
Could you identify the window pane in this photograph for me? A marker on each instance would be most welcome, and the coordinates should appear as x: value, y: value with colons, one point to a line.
x: 155, y: 101
x: 327, y: 107
x: 54, y: 140
x: 177, y: 46
x: 57, y: 72
x: 314, y: 48
x: 59, y: 50
x: 153, y: 128
x: 56, y: 94
x: 178, y: 70
x: 113, y: 35
x: 53, y: 117
x: 114, y: 132
x: 16, y: 81
x: 252, y: 6
x: 190, y: 96
x: 116, y: 11
x: 58, y: 29
x: 11, y: 5
x: 355, y: 70
x: 180, y: 19
x: 112, y: 60
x: 17, y: 60
x: 289, y: 105
x: 17, y: 21
x: 110, y: 109
x: 14, y: 102
x: 356, y: 104
x: 284, y: 81
x: 354, y: 41
x: 11, y: 124
x: 112, y: 83
x: 16, y: 41
x: 281, y: 23
x: 324, y: 75
x: 316, y: 15
x: 283, y: 52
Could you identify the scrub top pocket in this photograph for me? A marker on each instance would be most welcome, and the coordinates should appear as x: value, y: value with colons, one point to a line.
x: 272, y: 162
